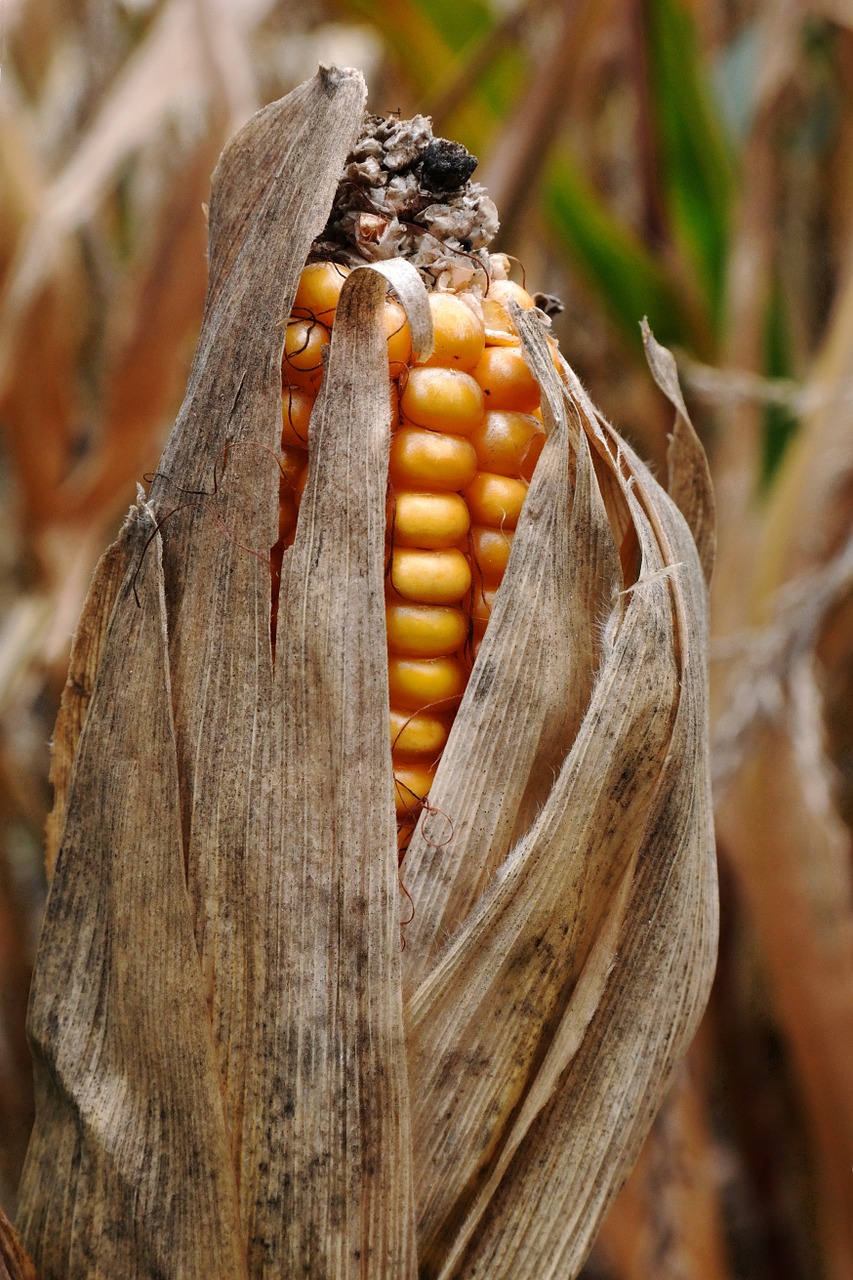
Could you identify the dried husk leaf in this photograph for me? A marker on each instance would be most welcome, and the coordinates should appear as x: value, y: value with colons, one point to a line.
x: 609, y: 1073
x: 328, y: 1188
x: 86, y: 652
x: 271, y: 191
x: 231, y: 768
x: 126, y: 1082
x: 532, y: 960
x: 689, y: 480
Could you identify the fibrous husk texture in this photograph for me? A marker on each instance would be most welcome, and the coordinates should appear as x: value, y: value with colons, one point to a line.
x: 246, y: 1065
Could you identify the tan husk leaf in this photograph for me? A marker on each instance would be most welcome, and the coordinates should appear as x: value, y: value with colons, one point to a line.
x: 299, y: 1159
x: 475, y: 1025
x: 327, y: 1040
x: 86, y: 653
x: 125, y: 1073
x: 689, y: 480
x: 605, y: 1074
x: 230, y: 1079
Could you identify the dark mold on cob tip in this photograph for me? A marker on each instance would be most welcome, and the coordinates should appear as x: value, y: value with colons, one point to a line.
x: 405, y: 193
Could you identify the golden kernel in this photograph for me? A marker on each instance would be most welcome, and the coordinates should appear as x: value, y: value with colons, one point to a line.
x: 441, y: 399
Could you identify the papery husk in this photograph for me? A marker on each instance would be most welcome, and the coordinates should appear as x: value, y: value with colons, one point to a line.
x: 243, y: 1067
x: 544, y: 1037
x: 260, y: 1126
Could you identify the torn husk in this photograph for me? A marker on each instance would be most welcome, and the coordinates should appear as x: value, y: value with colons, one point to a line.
x: 243, y: 1066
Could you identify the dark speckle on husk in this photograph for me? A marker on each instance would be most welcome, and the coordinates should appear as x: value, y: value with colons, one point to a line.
x: 407, y: 194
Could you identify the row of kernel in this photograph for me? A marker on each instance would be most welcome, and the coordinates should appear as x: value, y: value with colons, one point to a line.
x: 462, y: 446
x: 429, y: 579
x: 507, y: 445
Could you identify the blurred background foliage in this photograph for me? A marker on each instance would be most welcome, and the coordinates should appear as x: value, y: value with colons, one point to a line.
x: 688, y: 160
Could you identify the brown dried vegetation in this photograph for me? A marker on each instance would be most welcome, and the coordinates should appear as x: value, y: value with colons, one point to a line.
x: 104, y: 163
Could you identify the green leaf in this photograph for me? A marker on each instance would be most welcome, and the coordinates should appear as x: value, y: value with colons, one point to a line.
x: 780, y: 423
x: 432, y: 40
x: 624, y: 274
x: 695, y: 158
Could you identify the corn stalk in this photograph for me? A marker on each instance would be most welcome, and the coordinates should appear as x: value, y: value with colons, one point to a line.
x: 240, y: 1071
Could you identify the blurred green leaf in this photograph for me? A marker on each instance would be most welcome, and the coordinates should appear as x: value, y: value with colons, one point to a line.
x: 779, y: 423
x: 696, y: 163
x: 432, y: 39
x: 628, y: 280
x: 736, y: 79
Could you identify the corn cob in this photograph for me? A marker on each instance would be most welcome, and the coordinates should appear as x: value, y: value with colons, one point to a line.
x: 465, y: 438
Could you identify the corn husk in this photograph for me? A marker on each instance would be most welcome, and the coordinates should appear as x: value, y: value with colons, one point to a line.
x: 246, y: 1065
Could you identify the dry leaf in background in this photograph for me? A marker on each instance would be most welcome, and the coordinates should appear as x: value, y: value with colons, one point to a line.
x: 239, y: 1069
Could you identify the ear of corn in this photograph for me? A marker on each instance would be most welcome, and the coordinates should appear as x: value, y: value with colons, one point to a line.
x: 463, y: 449
x: 314, y: 1098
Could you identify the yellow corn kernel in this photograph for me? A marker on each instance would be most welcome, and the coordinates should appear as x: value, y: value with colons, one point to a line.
x: 490, y: 550
x: 414, y: 734
x: 495, y: 500
x: 532, y: 456
x: 411, y: 787
x: 429, y: 520
x: 296, y: 406
x: 399, y: 337
x: 418, y: 683
x: 458, y: 335
x: 500, y: 330
x: 502, y: 441
x: 425, y: 631
x: 482, y: 603
x: 501, y: 291
x: 430, y: 577
x: 507, y: 382
x: 302, y: 364
x: 441, y: 399
x: 426, y: 460
x: 318, y: 291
